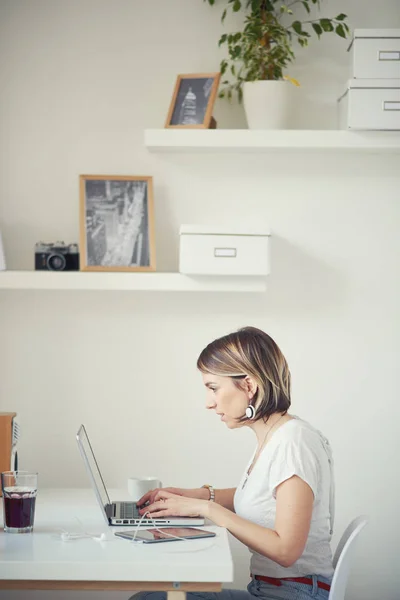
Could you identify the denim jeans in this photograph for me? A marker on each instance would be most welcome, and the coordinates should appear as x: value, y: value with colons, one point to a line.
x: 289, y: 590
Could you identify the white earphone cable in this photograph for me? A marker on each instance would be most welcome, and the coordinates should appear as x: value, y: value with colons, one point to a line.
x: 67, y: 536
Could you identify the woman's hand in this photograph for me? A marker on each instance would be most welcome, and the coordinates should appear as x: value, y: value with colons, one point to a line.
x: 150, y: 497
x: 166, y: 504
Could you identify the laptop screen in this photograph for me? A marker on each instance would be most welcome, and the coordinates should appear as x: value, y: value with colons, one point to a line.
x: 91, y: 465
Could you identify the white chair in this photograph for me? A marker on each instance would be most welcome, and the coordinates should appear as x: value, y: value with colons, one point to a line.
x: 341, y: 559
x: 343, y: 556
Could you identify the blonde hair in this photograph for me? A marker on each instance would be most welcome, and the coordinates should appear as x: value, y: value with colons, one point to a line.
x: 253, y: 353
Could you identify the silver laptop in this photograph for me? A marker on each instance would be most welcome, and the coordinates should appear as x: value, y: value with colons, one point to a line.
x: 121, y: 513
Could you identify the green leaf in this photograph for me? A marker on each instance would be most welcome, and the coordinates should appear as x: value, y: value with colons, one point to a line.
x: 222, y: 39
x: 233, y: 70
x: 326, y: 24
x: 297, y: 27
x: 317, y: 28
x: 341, y: 17
x: 237, y: 51
x: 224, y: 66
x: 211, y: 2
x: 237, y: 5
x: 223, y: 15
x: 305, y: 4
x: 340, y: 31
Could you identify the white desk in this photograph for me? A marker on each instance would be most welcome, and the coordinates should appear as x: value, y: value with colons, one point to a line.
x: 42, y: 561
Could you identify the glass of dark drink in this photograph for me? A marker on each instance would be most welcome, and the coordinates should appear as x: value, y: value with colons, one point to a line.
x: 19, y: 498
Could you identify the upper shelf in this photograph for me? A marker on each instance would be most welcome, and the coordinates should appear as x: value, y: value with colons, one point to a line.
x: 153, y: 282
x: 248, y: 140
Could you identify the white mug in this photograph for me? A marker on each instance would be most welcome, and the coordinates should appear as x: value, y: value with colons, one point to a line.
x: 138, y: 486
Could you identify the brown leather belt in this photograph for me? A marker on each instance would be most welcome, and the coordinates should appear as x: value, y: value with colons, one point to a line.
x: 305, y: 580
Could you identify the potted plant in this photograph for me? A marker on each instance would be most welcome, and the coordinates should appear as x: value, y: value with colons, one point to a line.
x: 259, y: 55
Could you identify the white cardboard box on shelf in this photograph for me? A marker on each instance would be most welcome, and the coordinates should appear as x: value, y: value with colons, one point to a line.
x: 370, y: 104
x: 211, y: 250
x: 375, y: 53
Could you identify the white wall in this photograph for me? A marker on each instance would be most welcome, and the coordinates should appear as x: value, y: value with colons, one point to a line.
x: 80, y: 80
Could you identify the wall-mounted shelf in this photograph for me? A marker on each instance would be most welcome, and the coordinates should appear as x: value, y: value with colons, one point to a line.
x: 246, y: 140
x: 139, y: 282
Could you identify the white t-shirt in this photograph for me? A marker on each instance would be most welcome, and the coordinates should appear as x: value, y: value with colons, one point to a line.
x: 296, y: 448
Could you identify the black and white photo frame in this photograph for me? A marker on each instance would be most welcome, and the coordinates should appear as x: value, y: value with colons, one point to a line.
x: 193, y: 101
x: 117, y: 223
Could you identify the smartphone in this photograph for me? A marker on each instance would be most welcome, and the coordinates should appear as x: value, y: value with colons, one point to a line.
x: 166, y: 534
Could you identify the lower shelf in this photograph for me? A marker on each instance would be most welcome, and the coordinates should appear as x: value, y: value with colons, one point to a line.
x: 141, y: 282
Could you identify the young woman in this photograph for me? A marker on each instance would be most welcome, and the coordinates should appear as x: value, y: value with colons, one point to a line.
x: 282, y: 508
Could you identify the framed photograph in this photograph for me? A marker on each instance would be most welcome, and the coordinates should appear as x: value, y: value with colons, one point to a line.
x: 116, y: 223
x: 193, y: 101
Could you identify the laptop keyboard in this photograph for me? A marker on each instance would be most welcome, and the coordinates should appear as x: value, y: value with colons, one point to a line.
x: 129, y: 510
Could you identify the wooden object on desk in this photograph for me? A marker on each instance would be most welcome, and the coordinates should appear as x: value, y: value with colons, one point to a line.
x: 5, y: 441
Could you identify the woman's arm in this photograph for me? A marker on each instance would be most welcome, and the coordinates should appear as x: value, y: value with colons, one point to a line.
x: 285, y: 543
x: 224, y: 497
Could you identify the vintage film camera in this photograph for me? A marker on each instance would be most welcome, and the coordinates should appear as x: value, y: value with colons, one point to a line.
x: 56, y: 257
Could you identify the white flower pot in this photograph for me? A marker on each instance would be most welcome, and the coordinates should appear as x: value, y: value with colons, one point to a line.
x: 267, y: 104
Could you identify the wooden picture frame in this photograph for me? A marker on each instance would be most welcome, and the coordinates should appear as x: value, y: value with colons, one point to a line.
x: 116, y: 223
x: 193, y: 101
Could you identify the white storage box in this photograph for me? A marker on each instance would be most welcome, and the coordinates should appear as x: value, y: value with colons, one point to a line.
x: 376, y: 53
x: 370, y: 104
x: 223, y: 251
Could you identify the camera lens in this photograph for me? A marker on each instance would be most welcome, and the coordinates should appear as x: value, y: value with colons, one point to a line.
x: 56, y: 262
